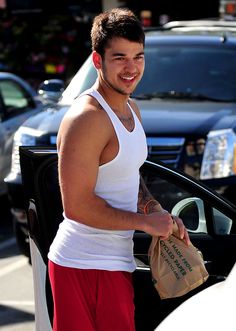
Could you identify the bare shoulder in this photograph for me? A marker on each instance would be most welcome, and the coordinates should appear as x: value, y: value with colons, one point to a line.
x: 84, y: 118
x: 135, y: 108
x: 85, y: 110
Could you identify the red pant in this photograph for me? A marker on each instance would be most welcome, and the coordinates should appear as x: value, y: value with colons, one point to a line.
x: 91, y: 300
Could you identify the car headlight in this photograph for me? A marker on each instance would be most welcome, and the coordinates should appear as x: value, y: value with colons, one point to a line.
x: 219, y: 155
x: 24, y: 136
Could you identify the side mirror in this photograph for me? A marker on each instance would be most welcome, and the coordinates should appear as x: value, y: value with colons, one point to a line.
x: 51, y: 90
x: 191, y: 211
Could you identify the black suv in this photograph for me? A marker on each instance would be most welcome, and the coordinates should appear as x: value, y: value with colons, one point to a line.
x: 187, y: 99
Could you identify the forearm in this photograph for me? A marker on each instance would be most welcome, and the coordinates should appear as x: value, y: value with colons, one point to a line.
x: 96, y: 212
x: 146, y: 202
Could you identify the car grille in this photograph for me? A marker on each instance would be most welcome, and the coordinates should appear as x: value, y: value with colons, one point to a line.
x: 167, y: 150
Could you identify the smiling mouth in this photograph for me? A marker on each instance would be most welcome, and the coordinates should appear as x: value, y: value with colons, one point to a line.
x: 128, y: 78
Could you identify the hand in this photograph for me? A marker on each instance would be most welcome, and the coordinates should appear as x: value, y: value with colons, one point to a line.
x: 183, y: 233
x: 159, y: 224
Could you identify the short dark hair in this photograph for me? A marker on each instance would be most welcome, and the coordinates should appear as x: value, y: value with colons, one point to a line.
x: 117, y: 22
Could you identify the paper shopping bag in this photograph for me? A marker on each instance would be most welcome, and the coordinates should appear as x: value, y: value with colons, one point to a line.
x: 176, y: 268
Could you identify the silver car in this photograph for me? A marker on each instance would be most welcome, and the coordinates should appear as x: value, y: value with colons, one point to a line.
x: 18, y: 101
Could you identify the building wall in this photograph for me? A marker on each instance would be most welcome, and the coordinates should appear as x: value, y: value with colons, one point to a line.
x: 108, y: 4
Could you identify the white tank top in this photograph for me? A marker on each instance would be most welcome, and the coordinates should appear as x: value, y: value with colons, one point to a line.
x: 80, y: 246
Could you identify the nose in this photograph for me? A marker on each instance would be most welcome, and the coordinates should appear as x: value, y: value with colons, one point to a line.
x: 129, y: 64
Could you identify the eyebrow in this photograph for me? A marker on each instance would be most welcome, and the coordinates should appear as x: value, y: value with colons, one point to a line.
x: 123, y: 54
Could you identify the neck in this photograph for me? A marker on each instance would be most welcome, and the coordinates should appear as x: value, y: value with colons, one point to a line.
x: 117, y: 101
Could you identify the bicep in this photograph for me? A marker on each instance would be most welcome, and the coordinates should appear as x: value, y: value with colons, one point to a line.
x: 79, y: 154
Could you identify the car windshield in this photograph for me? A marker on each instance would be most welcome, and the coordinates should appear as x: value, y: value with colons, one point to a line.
x: 176, y: 71
x: 190, y: 72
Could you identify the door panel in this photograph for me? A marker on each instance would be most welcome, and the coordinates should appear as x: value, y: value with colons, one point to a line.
x: 211, y: 227
x: 176, y: 192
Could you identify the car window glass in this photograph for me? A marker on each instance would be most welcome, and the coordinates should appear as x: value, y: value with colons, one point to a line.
x: 210, y: 71
x: 204, y: 70
x: 82, y: 81
x: 14, y: 98
x: 169, y: 195
x: 222, y: 224
x: 194, y: 212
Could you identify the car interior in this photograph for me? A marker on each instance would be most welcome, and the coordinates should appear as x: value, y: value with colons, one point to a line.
x: 210, y: 220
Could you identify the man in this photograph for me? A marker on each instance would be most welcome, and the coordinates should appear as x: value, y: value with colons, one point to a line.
x: 101, y: 146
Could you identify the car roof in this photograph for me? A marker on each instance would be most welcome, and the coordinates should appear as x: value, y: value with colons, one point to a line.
x: 208, y: 23
x: 4, y: 74
x: 204, y: 31
x: 191, y: 39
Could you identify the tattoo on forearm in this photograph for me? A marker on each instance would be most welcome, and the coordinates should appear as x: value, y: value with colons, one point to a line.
x: 144, y: 197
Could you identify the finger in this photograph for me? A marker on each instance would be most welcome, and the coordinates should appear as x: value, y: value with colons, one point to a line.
x: 164, y: 237
x: 181, y: 226
x: 186, y: 237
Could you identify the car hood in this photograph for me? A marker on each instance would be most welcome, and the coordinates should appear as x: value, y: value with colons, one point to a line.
x: 182, y: 118
x: 47, y: 121
x: 210, y: 309
x: 162, y: 117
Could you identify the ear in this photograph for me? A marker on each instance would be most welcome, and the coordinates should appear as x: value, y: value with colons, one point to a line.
x: 97, y: 60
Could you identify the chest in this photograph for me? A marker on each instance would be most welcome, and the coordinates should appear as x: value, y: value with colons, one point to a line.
x: 125, y: 147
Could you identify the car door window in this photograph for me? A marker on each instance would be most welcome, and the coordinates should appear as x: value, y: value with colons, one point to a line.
x: 199, y: 216
x: 222, y: 224
x: 15, y: 99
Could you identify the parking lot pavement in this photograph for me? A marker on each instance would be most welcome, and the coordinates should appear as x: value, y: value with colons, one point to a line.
x: 16, y: 289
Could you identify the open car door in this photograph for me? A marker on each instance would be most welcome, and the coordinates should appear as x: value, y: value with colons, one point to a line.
x: 210, y: 220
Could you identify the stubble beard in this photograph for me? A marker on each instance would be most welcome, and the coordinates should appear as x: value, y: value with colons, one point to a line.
x: 112, y: 86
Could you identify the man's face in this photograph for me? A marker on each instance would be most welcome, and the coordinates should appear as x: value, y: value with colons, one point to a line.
x: 122, y: 65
